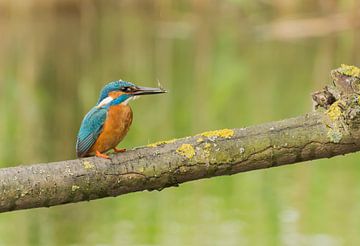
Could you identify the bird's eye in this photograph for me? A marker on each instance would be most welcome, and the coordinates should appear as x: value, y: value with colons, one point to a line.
x: 126, y: 89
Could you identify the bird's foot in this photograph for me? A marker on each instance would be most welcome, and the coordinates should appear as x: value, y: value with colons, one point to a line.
x: 116, y: 150
x: 98, y: 154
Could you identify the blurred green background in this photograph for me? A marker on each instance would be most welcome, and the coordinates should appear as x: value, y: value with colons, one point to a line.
x: 229, y: 63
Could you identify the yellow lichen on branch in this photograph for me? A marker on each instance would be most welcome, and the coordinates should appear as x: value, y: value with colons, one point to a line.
x: 200, y: 140
x: 351, y: 71
x: 224, y: 133
x: 334, y: 112
x: 88, y: 165
x: 186, y: 150
x: 207, y: 150
x: 75, y: 187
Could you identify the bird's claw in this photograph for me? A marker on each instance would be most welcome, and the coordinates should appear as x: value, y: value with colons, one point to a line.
x: 116, y: 150
x: 98, y: 154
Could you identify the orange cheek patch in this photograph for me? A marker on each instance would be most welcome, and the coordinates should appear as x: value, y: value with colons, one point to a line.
x: 115, y: 94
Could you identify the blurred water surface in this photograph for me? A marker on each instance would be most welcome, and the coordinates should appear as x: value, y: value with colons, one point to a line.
x: 226, y: 64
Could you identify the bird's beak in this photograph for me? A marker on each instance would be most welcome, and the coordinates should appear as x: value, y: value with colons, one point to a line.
x: 140, y: 90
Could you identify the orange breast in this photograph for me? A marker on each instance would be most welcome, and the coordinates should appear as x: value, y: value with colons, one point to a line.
x: 116, y: 126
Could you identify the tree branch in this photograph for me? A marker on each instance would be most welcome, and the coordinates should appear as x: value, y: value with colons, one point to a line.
x: 332, y: 130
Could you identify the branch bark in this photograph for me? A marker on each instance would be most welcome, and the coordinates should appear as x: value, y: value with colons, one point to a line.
x: 334, y: 129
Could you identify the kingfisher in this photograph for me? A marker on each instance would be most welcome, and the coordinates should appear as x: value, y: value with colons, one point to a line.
x: 108, y: 122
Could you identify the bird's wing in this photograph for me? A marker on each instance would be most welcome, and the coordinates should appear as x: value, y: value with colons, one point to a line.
x: 90, y: 129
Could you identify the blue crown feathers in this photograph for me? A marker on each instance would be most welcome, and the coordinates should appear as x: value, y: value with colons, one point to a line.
x: 112, y: 86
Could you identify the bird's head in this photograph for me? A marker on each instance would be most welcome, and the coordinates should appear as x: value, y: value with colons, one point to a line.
x: 122, y: 92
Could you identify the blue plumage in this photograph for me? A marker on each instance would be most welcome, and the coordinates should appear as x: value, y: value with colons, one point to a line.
x: 90, y: 129
x: 92, y: 126
x: 112, y: 86
x: 93, y: 122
